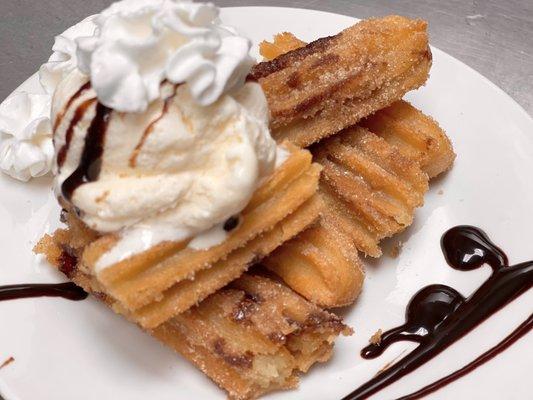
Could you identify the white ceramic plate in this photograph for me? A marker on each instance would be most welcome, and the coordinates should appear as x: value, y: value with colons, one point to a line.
x: 80, y: 350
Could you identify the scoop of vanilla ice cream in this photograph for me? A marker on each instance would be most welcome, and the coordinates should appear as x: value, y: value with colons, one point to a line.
x: 179, y: 167
x: 158, y: 137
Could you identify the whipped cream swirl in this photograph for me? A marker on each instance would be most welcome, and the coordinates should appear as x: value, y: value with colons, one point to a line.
x: 26, y: 149
x: 140, y: 43
x: 64, y: 59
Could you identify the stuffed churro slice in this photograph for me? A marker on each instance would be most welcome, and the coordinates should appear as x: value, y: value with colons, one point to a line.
x: 416, y: 136
x: 252, y: 337
x: 332, y: 83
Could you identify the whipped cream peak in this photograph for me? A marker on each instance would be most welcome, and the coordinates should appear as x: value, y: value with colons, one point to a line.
x: 26, y: 149
x: 64, y: 58
x: 138, y: 44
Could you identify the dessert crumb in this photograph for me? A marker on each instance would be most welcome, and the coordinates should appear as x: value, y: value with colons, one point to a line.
x: 440, y: 192
x: 396, y: 249
x: 376, y: 337
x: 7, y: 362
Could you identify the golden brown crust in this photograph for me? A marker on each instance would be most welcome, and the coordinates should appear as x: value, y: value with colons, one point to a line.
x: 321, y: 264
x: 370, y: 189
x: 332, y: 83
x: 416, y: 136
x: 252, y: 337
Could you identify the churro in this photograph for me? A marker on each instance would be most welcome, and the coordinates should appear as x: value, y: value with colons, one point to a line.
x: 252, y: 337
x: 370, y: 189
x: 169, y: 278
x: 332, y: 83
x: 416, y: 136
x: 321, y: 264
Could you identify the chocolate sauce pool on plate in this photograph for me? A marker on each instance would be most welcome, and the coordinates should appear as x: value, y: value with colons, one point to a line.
x: 66, y: 290
x: 437, y: 316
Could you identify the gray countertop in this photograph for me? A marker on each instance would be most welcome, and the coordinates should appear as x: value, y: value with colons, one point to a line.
x: 495, y: 37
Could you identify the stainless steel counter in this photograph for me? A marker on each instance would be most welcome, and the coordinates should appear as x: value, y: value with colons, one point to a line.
x: 494, y: 37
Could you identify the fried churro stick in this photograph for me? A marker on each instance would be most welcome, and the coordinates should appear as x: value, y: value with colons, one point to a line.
x: 251, y: 338
x: 354, y: 206
x: 370, y: 189
x: 416, y: 135
x: 321, y: 264
x: 189, y: 292
x: 332, y: 83
x: 166, y: 280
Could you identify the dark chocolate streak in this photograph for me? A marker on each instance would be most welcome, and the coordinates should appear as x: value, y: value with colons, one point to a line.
x: 518, y: 333
x: 91, y: 159
x: 438, y: 315
x: 60, y: 116
x: 150, y: 128
x: 266, y: 68
x: 78, y: 115
x: 66, y: 290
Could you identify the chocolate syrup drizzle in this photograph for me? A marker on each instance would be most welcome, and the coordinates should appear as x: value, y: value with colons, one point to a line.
x: 78, y: 115
x: 149, y: 129
x: 78, y: 93
x: 438, y: 315
x: 66, y: 290
x: 91, y: 159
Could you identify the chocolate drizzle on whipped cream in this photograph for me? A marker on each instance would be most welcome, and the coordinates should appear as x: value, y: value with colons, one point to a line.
x: 438, y: 315
x: 91, y: 159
